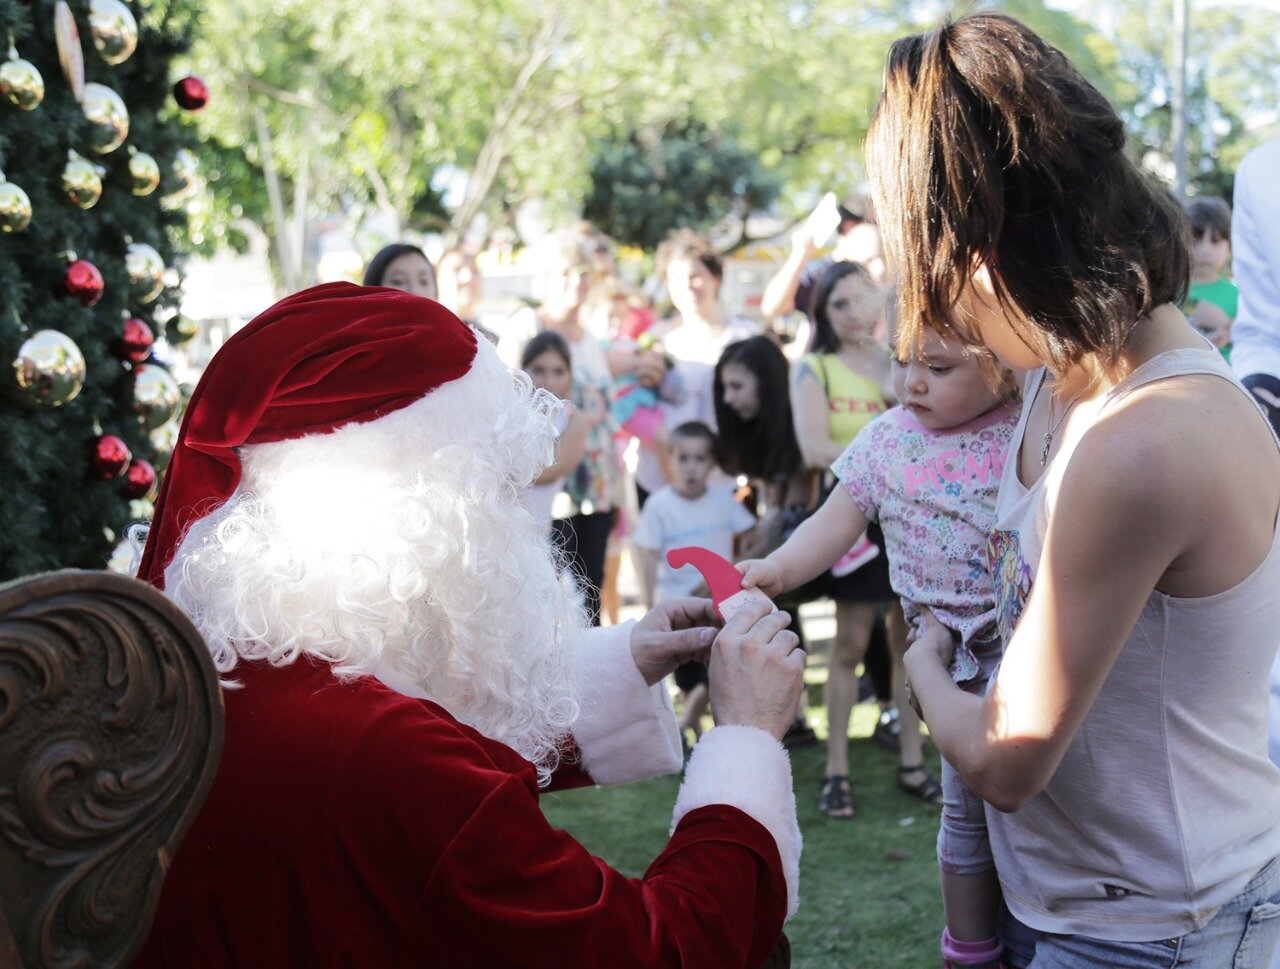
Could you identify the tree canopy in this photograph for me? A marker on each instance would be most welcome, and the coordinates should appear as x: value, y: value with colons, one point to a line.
x: 441, y: 115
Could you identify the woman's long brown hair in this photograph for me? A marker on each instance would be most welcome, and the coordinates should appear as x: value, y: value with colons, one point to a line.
x: 989, y: 147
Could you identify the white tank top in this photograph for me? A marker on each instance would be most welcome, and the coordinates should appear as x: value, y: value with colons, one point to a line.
x: 1165, y: 804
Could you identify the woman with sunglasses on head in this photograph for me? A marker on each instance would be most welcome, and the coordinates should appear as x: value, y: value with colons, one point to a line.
x: 1136, y: 557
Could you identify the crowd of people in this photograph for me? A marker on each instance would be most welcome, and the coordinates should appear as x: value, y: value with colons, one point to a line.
x: 730, y: 428
x: 1006, y: 442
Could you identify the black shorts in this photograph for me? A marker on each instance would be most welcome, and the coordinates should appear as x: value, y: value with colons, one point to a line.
x: 869, y: 583
x: 691, y: 674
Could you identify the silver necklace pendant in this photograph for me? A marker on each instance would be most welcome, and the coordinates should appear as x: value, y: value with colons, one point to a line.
x: 1044, y: 451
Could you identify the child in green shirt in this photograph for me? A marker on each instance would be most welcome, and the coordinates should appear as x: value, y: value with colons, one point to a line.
x: 1211, y: 300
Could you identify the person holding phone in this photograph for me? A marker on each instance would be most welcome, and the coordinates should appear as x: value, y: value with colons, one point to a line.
x: 857, y: 240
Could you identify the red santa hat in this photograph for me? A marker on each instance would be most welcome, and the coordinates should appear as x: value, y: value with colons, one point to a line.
x: 328, y: 356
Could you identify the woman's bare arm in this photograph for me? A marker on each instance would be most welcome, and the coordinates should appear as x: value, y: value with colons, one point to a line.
x: 810, y: 412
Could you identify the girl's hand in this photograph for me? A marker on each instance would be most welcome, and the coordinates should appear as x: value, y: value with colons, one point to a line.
x: 930, y: 642
x: 763, y: 574
x: 932, y: 639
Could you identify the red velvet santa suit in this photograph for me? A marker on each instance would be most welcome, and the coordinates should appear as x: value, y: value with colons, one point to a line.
x: 352, y: 826
x: 354, y: 823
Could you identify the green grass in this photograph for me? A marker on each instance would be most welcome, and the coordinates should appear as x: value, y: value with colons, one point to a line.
x: 868, y: 887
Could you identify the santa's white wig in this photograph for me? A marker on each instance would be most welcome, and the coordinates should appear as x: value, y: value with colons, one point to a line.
x: 403, y: 545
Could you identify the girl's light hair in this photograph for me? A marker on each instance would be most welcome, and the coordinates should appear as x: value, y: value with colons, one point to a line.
x: 403, y: 544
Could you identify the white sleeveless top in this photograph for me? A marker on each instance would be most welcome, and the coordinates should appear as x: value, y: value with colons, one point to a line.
x: 1165, y: 804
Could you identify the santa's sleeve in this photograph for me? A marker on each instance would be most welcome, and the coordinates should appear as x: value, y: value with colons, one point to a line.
x: 511, y: 890
x: 626, y: 730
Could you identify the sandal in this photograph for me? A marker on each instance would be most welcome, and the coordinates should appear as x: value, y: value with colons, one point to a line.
x: 837, y: 797
x: 928, y: 789
x: 887, y: 730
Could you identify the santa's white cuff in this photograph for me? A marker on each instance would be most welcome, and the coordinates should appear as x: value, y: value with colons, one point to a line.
x: 748, y: 769
x: 627, y: 728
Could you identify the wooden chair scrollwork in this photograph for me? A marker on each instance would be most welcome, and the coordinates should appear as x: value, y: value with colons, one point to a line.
x: 110, y: 734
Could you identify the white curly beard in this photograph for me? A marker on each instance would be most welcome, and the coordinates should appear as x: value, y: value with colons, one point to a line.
x: 402, y: 544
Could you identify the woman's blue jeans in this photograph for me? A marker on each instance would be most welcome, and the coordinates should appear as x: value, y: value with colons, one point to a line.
x: 1242, y: 935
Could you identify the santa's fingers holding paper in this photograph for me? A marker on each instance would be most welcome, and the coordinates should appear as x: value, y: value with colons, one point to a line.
x: 674, y: 632
x: 757, y: 671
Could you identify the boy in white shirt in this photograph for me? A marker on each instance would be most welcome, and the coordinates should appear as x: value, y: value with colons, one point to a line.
x: 687, y: 513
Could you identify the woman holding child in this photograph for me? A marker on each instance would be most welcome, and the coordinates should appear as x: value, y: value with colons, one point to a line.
x: 1135, y: 551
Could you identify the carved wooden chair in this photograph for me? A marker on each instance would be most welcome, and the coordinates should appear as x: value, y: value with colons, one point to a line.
x: 110, y: 734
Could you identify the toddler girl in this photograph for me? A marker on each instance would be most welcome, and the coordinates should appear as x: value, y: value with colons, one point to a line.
x: 928, y: 471
x: 546, y: 360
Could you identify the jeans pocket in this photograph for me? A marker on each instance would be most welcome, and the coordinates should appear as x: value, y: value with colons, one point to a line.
x: 1261, y: 933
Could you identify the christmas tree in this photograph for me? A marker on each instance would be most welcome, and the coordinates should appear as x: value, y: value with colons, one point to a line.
x: 96, y: 165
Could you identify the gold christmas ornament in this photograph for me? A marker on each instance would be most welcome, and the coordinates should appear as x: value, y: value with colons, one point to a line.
x: 82, y: 180
x: 49, y: 368
x: 146, y: 271
x: 20, y: 83
x: 114, y: 29
x: 15, y: 207
x: 186, y: 173
x: 164, y: 439
x: 155, y: 395
x: 180, y: 329
x: 110, y: 118
x: 141, y: 510
x: 144, y: 172
x: 70, y: 55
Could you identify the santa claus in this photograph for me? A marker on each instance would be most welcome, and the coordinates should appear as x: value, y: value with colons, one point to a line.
x: 404, y: 674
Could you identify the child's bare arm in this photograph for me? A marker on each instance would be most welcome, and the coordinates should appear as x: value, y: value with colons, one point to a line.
x: 569, y: 448
x: 648, y: 573
x: 822, y: 538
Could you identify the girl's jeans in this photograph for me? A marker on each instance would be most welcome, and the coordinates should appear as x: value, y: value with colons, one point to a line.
x: 1241, y: 936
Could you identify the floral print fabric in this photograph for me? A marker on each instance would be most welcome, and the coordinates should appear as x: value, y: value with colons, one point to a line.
x: 934, y: 495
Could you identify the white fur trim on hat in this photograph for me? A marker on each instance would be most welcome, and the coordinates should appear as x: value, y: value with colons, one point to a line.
x: 748, y: 769
x: 627, y: 729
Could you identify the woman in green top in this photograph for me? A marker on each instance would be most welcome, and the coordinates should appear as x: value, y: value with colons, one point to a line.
x: 837, y: 389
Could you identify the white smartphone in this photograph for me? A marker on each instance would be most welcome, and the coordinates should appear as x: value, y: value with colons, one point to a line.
x: 823, y: 220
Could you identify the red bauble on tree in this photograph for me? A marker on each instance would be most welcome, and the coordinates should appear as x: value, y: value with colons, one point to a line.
x: 191, y: 93
x: 136, y: 340
x: 83, y: 282
x: 110, y: 456
x: 140, y: 479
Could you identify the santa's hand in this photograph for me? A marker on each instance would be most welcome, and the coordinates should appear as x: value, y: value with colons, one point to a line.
x: 674, y: 632
x: 757, y: 671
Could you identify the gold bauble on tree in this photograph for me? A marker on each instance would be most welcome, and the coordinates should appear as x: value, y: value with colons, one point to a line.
x: 15, y: 207
x: 164, y: 439
x: 146, y: 271
x: 186, y: 175
x: 82, y: 180
x: 49, y: 368
x: 180, y: 329
x: 108, y: 115
x: 156, y: 395
x: 144, y: 172
x: 114, y: 29
x: 20, y: 83
x: 70, y: 54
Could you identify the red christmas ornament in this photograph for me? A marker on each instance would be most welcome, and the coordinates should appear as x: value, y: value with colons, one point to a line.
x: 140, y: 479
x: 83, y: 282
x: 110, y: 456
x: 191, y: 93
x: 136, y: 340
